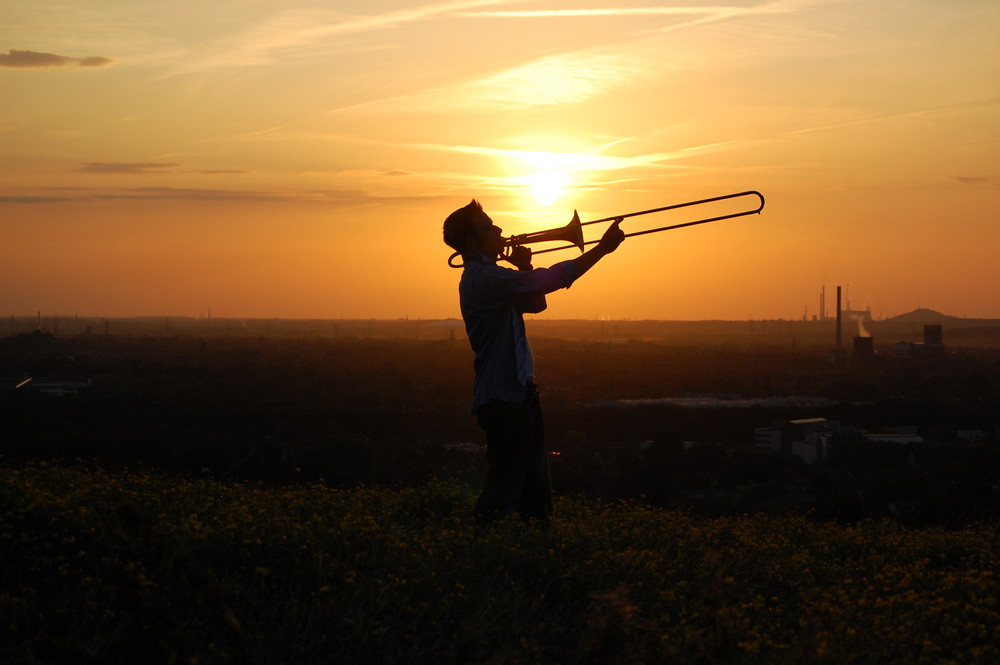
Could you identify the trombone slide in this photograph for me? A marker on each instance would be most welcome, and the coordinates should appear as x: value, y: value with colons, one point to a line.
x: 572, y: 233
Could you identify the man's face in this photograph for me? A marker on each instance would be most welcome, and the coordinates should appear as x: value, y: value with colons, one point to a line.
x: 487, y: 237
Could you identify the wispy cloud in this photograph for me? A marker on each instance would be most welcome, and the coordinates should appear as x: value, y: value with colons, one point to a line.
x: 726, y: 13
x: 37, y: 60
x: 706, y: 14
x: 192, y: 194
x: 596, y: 158
x: 149, y: 168
x: 914, y: 113
x: 36, y: 199
x: 588, y: 161
x: 976, y: 180
x: 605, y: 12
x: 575, y: 76
x: 127, y: 167
x: 557, y: 79
x: 151, y: 193
x: 338, y: 197
x: 291, y: 29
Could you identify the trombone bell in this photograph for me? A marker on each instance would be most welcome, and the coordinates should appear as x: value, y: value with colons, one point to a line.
x: 571, y: 233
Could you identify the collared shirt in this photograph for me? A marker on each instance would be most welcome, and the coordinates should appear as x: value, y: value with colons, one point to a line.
x: 494, y: 300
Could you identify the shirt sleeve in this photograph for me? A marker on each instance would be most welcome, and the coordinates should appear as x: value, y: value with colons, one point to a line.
x: 503, y: 286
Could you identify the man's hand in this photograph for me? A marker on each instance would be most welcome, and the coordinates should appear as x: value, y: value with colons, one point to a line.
x: 520, y: 256
x: 608, y: 243
x: 612, y: 238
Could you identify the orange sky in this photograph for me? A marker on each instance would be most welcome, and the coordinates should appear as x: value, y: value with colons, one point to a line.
x: 290, y: 159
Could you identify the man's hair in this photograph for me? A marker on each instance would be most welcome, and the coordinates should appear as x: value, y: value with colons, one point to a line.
x: 459, y: 225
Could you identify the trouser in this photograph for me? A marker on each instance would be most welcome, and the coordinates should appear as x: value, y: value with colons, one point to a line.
x: 518, y: 476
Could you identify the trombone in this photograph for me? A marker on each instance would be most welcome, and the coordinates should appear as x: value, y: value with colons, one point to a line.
x: 573, y: 232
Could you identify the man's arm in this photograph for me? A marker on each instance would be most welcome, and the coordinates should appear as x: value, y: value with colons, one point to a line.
x: 520, y: 256
x: 527, y: 287
x: 608, y: 243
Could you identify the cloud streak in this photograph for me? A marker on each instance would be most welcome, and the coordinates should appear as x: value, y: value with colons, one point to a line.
x: 127, y: 167
x: 590, y: 161
x: 978, y: 181
x: 299, y: 28
x: 192, y: 194
x: 593, y: 159
x: 154, y: 193
x: 574, y: 76
x: 549, y: 81
x: 36, y: 199
x: 35, y: 60
x: 917, y: 113
x: 708, y: 13
x: 340, y: 197
x: 560, y: 79
x: 606, y: 11
x: 724, y: 13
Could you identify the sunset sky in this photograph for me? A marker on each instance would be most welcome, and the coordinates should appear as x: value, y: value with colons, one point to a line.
x: 295, y: 158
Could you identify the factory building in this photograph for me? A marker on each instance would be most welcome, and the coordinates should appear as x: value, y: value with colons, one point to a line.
x: 808, y: 438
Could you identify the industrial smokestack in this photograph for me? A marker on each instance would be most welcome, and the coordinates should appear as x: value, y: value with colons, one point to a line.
x: 863, y: 347
x: 838, y: 319
x: 933, y: 340
x: 932, y: 335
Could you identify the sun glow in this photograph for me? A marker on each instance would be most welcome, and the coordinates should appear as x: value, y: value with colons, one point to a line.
x: 547, y: 186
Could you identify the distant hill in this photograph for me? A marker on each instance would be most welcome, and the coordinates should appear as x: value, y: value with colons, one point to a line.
x: 923, y: 315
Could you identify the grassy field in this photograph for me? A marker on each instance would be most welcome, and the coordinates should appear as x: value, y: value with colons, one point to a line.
x: 138, y: 568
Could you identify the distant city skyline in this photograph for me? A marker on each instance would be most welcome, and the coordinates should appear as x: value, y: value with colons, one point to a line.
x: 808, y: 314
x: 291, y: 160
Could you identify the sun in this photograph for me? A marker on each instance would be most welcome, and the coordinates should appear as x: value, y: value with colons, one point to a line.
x: 547, y: 186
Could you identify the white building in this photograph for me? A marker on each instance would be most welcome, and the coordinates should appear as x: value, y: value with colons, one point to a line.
x: 809, y: 438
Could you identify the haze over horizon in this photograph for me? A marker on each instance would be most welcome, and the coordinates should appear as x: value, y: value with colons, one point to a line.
x: 287, y: 160
x: 56, y: 321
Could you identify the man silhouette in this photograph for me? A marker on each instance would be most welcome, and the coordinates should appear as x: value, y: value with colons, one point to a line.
x: 505, y: 399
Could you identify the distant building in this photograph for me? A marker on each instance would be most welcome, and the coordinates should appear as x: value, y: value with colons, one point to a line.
x: 767, y: 438
x: 933, y: 340
x: 933, y: 344
x: 812, y: 450
x: 902, y: 350
x: 808, y: 438
x: 811, y: 438
x: 473, y: 448
x: 894, y: 437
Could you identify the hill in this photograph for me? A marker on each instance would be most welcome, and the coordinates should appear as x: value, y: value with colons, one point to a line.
x: 923, y: 315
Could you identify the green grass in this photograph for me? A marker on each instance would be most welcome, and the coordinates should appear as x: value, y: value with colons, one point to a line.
x: 133, y: 568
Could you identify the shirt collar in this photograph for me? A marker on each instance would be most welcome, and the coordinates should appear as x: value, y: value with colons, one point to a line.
x: 476, y: 257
